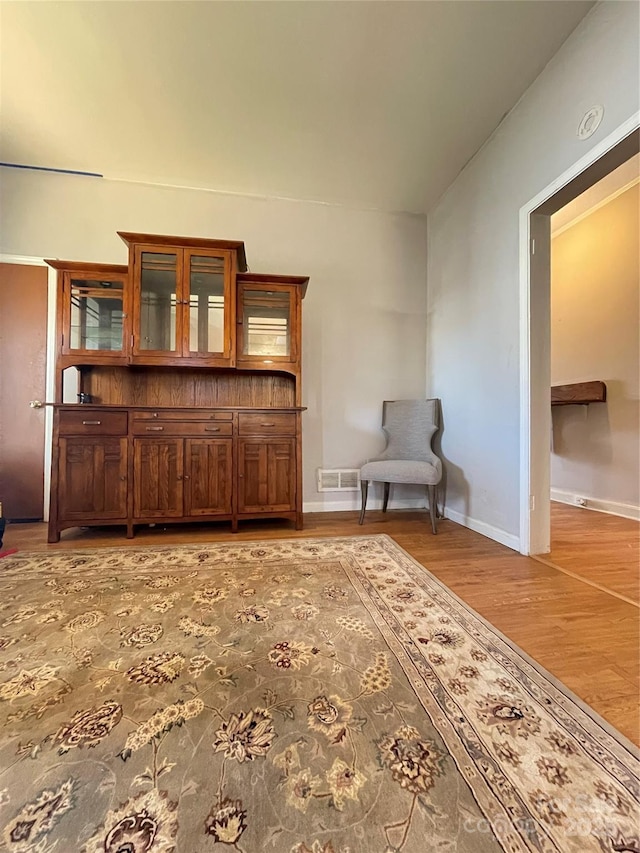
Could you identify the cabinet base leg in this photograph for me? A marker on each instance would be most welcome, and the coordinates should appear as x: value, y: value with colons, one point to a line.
x: 299, y: 521
x: 130, y: 533
x: 53, y: 534
x: 234, y: 525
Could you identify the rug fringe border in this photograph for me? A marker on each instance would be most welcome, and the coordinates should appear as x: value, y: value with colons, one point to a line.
x: 622, y: 739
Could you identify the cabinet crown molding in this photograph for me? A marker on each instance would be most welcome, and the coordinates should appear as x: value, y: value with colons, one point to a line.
x: 83, y: 266
x: 131, y: 238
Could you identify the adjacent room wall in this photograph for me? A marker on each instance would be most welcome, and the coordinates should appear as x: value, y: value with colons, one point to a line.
x: 364, y: 317
x: 595, y: 282
x: 473, y: 339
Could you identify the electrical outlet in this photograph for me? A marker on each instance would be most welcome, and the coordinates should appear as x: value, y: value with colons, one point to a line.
x: 581, y: 501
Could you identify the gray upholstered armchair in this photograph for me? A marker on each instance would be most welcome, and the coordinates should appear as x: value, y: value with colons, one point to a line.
x: 409, y: 426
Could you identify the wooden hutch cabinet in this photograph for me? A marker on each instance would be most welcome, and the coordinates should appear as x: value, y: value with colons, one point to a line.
x: 189, y: 382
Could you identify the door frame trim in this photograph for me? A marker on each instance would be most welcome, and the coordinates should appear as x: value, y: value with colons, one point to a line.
x: 534, y: 446
x: 52, y: 282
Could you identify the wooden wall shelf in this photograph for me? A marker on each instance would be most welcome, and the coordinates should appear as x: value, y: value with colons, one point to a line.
x: 578, y: 394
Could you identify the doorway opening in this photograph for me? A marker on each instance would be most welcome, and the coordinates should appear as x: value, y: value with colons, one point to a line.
x: 535, y: 326
x: 595, y: 377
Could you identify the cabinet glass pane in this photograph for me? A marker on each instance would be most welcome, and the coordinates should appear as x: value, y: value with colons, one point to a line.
x: 96, y: 315
x: 266, y: 318
x: 158, y: 302
x: 206, y: 305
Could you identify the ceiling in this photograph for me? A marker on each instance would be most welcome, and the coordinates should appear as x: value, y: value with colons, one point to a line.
x: 370, y: 104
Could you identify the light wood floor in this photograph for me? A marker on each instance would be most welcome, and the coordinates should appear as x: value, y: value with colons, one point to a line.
x: 585, y: 636
x: 603, y: 549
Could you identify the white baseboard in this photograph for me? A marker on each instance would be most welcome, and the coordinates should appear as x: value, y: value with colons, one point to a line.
x: 353, y: 504
x: 478, y: 526
x: 481, y: 527
x: 609, y: 507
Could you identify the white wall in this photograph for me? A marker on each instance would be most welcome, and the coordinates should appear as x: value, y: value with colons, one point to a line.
x: 364, y: 316
x: 473, y: 274
x: 595, y: 283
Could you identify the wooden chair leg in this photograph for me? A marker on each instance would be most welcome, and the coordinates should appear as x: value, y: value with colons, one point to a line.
x: 364, y: 488
x: 432, y: 507
x: 385, y: 501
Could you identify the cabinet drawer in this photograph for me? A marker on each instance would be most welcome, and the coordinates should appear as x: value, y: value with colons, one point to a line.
x: 160, y: 428
x: 181, y: 415
x: 92, y: 422
x: 266, y: 423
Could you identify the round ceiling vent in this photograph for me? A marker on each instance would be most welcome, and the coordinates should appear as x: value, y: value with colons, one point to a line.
x: 590, y: 122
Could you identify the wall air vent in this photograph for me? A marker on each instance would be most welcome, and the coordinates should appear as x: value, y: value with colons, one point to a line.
x: 338, y: 479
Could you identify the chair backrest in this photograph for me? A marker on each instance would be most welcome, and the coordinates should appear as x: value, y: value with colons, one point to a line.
x: 409, y: 426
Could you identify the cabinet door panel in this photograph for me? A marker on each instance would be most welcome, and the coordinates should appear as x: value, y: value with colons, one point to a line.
x: 95, y: 319
x: 268, y: 323
x: 91, y: 305
x: 92, y: 478
x: 158, y: 473
x: 208, y: 476
x: 157, y: 301
x: 267, y: 475
x: 208, y: 278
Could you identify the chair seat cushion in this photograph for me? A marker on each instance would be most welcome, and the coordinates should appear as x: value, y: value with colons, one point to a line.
x: 402, y: 471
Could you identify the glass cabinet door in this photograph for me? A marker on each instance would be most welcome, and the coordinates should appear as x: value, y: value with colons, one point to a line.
x: 208, y: 304
x: 158, y: 318
x: 266, y: 316
x: 95, y: 315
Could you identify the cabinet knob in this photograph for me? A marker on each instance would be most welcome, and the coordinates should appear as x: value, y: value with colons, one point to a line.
x: 267, y: 425
x: 91, y: 423
x: 123, y: 478
x: 187, y: 477
x: 179, y: 477
x: 154, y: 429
x: 212, y: 429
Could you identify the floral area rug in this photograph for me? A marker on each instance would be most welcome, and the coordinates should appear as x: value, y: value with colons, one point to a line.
x: 300, y: 696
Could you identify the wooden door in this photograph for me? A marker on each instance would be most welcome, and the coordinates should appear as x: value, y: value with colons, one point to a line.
x: 267, y: 475
x: 158, y: 477
x: 92, y: 478
x: 23, y: 353
x: 208, y: 476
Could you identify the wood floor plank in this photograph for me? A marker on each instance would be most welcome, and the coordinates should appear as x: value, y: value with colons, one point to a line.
x: 584, y: 636
x: 601, y: 548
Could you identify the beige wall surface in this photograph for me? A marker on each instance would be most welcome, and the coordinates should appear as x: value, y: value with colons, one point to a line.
x: 595, y: 283
x: 364, y: 316
x: 473, y: 336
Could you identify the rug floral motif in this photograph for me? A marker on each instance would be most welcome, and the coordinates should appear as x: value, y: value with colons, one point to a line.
x: 299, y: 696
